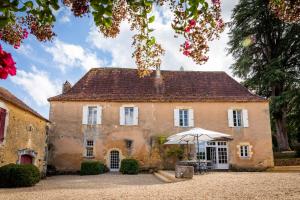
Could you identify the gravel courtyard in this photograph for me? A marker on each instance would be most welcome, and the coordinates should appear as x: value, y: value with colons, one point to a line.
x: 222, y: 185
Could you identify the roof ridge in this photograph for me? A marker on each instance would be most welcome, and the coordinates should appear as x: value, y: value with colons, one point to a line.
x: 18, y: 102
x: 162, y: 70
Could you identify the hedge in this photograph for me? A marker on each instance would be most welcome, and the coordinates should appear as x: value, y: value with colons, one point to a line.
x: 92, y: 168
x: 129, y: 166
x: 14, y: 175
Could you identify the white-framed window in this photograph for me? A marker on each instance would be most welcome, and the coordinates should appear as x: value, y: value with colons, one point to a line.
x: 129, y: 115
x: 201, y: 148
x: 244, y: 151
x: 91, y: 114
x: 184, y: 117
x: 129, y: 112
x: 237, y: 118
x: 89, y: 146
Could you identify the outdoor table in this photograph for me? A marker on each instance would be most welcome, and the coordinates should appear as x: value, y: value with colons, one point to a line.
x: 195, y: 164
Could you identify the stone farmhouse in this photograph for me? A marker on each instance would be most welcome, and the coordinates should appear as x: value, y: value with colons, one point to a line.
x: 111, y: 114
x: 23, y: 133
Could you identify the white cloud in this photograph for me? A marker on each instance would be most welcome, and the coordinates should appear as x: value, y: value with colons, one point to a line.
x: 25, y: 49
x: 65, y: 16
x: 37, y: 84
x: 121, y: 50
x: 119, y: 47
x: 70, y: 55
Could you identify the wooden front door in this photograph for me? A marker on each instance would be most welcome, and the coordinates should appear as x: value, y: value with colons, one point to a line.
x: 26, y: 159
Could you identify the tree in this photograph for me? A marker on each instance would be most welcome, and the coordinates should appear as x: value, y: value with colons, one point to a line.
x: 267, y: 56
x: 196, y: 20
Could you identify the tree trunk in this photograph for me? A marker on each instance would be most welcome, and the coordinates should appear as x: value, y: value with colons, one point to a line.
x: 281, y: 133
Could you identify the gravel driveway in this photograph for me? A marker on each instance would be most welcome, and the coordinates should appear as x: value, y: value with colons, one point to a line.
x: 222, y: 185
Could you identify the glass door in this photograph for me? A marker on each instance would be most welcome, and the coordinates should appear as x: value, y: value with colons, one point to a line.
x: 222, y: 155
x: 114, y: 160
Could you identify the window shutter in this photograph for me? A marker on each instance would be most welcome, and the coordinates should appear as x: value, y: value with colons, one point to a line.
x: 245, y: 118
x: 122, y: 116
x: 230, y: 118
x: 135, y: 116
x: 99, y: 114
x: 191, y: 118
x: 176, y: 117
x: 85, y: 115
x: 2, y: 123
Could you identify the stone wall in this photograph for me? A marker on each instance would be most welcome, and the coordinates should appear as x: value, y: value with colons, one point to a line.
x: 155, y: 119
x: 26, y: 132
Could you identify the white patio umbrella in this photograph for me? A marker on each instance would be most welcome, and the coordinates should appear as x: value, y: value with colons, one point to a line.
x: 194, y: 136
x: 197, y: 134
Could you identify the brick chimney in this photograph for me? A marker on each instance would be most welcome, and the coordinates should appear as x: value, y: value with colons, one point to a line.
x: 66, y: 87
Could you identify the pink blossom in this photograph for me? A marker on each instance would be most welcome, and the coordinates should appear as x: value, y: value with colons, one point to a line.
x: 25, y: 33
x: 216, y: 2
x: 186, y: 53
x: 220, y: 23
x: 186, y: 45
x: 204, y: 58
x: 187, y: 29
x: 192, y: 22
x: 7, y: 64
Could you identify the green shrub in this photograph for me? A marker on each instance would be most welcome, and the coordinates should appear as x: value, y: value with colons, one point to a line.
x: 13, y: 175
x: 92, y: 168
x: 175, y: 151
x: 129, y: 166
x: 298, y: 153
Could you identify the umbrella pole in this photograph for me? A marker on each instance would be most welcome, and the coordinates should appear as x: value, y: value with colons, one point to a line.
x: 197, y: 155
x: 187, y: 149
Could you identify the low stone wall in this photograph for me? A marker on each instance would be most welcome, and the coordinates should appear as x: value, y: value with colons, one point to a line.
x: 184, y: 171
x: 287, y: 162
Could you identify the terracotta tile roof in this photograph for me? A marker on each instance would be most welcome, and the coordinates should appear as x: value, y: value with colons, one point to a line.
x: 9, y: 97
x: 123, y: 84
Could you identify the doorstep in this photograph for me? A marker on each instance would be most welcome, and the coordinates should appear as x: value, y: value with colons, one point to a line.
x: 167, y: 176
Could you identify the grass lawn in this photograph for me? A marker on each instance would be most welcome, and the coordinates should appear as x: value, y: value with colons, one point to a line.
x: 217, y: 185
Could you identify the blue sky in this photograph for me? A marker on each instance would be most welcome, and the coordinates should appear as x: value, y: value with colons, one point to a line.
x: 43, y: 67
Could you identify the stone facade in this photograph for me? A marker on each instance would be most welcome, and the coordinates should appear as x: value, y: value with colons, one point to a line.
x: 25, y: 134
x: 68, y: 134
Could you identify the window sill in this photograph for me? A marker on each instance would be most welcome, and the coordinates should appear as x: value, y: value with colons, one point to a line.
x: 245, y: 158
x: 91, y: 124
x: 89, y: 157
